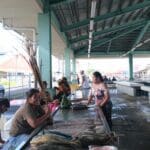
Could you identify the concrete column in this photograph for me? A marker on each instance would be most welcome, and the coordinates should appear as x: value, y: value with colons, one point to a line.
x: 67, y: 63
x: 74, y: 65
x: 131, y: 67
x: 44, y: 42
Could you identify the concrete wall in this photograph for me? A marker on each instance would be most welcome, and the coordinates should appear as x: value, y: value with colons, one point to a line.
x: 58, y: 45
x: 58, y: 51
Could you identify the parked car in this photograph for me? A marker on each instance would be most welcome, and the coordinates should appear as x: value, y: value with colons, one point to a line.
x: 2, y: 91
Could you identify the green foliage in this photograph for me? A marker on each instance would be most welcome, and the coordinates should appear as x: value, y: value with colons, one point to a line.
x: 65, y: 102
x: 7, y: 84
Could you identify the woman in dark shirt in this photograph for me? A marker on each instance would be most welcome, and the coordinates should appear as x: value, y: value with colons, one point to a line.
x: 30, y: 115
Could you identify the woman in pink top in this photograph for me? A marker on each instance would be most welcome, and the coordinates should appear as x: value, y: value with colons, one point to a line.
x: 100, y: 93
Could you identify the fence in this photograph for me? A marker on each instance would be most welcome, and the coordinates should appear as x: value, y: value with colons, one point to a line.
x: 16, y: 85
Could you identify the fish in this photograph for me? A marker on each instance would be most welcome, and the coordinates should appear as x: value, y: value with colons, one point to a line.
x: 51, y: 140
x: 99, y: 129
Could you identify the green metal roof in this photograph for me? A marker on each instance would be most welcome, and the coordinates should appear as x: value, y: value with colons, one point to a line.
x: 119, y: 25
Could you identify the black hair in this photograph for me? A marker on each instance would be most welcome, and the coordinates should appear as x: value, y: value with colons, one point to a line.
x: 4, y: 101
x: 31, y: 92
x: 60, y: 82
x: 98, y: 75
x: 64, y: 78
x: 44, y: 82
x: 82, y: 72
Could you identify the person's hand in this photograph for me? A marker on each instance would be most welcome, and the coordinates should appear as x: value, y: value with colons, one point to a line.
x: 56, y: 101
x: 99, y: 104
x: 46, y: 109
x: 43, y: 96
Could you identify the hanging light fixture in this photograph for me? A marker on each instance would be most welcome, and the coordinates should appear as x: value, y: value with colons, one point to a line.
x: 90, y: 41
x: 93, y: 10
x: 90, y: 34
x: 91, y: 25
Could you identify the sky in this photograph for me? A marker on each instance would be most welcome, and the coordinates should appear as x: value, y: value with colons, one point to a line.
x: 112, y: 65
x: 10, y: 43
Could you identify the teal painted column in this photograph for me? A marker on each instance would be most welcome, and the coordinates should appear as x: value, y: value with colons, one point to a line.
x: 67, y: 63
x: 44, y: 41
x: 131, y: 67
x: 74, y: 65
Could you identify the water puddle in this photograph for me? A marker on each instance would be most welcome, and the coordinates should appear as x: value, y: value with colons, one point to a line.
x: 117, y: 116
x: 146, y: 111
x: 119, y: 106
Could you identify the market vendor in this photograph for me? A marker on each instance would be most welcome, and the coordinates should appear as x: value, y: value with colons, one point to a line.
x: 30, y: 115
x: 100, y: 93
x: 62, y: 89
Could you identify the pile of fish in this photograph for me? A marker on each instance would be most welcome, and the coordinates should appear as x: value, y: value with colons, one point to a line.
x: 94, y: 134
x: 51, y: 142
x: 79, y: 106
x: 83, y: 133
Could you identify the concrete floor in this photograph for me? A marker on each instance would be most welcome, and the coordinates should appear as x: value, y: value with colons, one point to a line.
x: 131, y: 121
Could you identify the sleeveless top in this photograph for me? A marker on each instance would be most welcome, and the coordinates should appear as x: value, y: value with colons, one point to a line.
x: 98, y: 93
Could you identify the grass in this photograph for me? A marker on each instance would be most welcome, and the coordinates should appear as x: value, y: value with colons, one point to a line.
x: 7, y: 84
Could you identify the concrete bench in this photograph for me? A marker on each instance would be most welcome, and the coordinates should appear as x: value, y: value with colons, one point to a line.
x: 111, y: 86
x: 147, y: 89
x: 130, y: 88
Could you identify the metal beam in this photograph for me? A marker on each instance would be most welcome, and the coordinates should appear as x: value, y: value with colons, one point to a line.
x: 56, y: 2
x: 105, y: 40
x: 110, y: 54
x: 113, y: 29
x: 43, y: 3
x: 138, y: 39
x: 40, y: 4
x: 98, y: 54
x: 107, y: 16
x: 129, y: 30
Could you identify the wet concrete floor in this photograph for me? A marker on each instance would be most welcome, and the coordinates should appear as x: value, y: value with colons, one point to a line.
x: 131, y: 121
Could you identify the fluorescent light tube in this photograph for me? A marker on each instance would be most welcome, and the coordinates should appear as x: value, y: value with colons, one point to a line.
x: 90, y: 41
x: 90, y: 34
x: 89, y: 46
x: 147, y: 40
x: 140, y: 44
x: 91, y: 25
x: 93, y: 8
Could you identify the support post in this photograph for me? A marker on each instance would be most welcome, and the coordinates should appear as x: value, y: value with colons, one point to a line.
x: 45, y: 47
x: 74, y: 65
x: 67, y: 63
x: 131, y: 67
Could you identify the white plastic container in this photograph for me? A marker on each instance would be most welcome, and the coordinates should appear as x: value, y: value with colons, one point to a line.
x: 102, y: 148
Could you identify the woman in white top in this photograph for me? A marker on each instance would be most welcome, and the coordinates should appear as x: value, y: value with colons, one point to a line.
x: 100, y: 93
x: 84, y: 84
